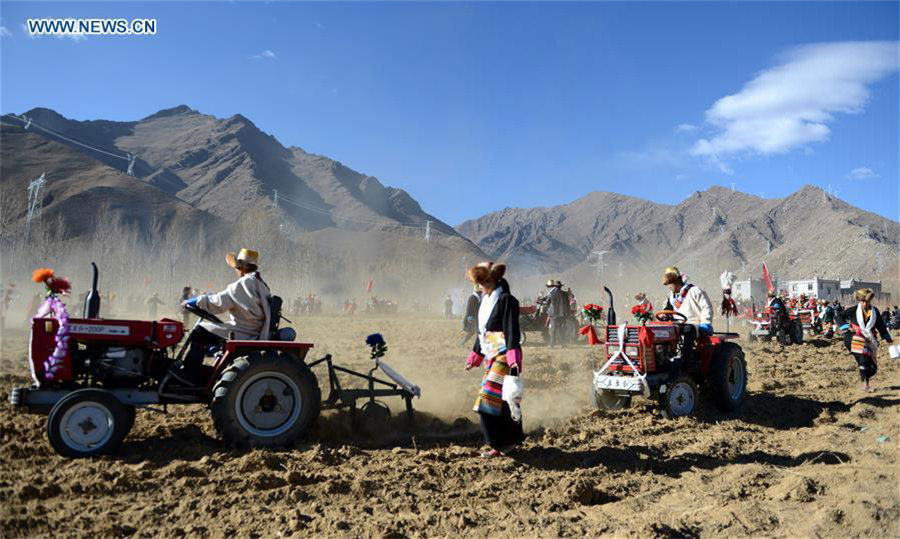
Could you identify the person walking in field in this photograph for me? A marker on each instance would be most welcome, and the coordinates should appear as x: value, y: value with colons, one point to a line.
x: 557, y: 309
x: 498, y: 349
x: 470, y: 318
x: 152, y: 302
x: 448, y: 307
x: 186, y: 294
x: 861, y: 339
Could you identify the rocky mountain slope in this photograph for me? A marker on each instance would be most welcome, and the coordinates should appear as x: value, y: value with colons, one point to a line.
x: 805, y: 234
x: 227, y: 166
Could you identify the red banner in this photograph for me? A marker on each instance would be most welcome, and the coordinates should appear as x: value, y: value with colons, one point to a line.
x: 767, y: 279
x: 369, y: 286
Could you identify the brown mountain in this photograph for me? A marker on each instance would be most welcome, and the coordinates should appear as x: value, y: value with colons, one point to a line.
x: 215, y: 180
x: 226, y: 166
x: 807, y: 233
x: 82, y: 192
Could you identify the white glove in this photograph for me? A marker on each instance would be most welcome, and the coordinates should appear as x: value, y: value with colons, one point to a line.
x: 513, y: 390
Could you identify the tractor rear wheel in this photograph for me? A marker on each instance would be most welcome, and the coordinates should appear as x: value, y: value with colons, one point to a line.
x: 265, y: 400
x: 796, y: 331
x: 607, y: 400
x: 87, y: 423
x: 728, y: 377
x: 680, y: 398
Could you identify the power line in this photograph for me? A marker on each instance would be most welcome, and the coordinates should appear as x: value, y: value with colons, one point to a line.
x: 427, y: 227
x: 30, y: 123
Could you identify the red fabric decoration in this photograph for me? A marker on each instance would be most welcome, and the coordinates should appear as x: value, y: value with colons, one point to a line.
x: 728, y: 307
x: 591, y: 334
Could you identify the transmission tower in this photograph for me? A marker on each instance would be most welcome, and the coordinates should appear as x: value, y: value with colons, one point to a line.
x: 35, y: 200
x: 427, y: 230
x: 599, y: 264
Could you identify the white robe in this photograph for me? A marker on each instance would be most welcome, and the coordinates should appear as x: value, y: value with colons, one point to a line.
x: 247, y: 303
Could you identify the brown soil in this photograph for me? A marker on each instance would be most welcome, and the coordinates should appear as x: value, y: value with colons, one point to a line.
x: 809, y: 455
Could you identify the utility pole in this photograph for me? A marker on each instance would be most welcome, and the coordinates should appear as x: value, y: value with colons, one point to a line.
x: 274, y: 198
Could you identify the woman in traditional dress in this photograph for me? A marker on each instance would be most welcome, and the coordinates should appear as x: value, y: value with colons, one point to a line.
x: 862, y: 340
x: 498, y: 348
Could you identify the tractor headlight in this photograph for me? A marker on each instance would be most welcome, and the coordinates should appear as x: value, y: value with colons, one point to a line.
x: 631, y: 351
x: 612, y: 350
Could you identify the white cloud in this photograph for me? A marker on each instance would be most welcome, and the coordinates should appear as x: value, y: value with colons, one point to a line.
x: 264, y: 55
x: 862, y: 173
x: 77, y: 38
x: 4, y: 32
x: 790, y: 105
x: 686, y: 128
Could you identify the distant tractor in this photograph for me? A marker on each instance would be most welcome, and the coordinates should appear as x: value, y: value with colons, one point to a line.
x: 639, y: 362
x: 767, y: 326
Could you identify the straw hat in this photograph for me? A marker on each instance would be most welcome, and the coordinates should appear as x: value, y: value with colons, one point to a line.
x: 864, y: 294
x: 671, y: 275
x: 244, y: 258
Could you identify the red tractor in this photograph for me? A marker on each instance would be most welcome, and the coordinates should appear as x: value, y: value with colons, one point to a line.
x: 639, y: 362
x: 260, y: 393
x: 767, y: 326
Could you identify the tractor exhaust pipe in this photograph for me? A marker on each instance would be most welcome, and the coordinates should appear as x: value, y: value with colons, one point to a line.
x: 92, y: 300
x: 611, y: 313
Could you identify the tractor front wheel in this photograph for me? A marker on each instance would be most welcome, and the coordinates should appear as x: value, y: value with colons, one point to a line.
x: 680, y: 398
x: 265, y: 400
x: 87, y: 423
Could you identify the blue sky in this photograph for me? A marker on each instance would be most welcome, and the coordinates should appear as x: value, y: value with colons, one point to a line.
x: 478, y: 106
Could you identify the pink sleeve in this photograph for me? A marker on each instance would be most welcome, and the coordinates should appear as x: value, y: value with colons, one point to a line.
x: 514, y: 358
x: 474, y: 360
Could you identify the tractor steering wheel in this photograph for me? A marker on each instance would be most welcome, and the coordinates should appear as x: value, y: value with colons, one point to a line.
x: 200, y: 313
x: 671, y: 316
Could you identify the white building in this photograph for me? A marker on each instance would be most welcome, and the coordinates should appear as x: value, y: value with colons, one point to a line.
x: 829, y: 289
x: 749, y: 289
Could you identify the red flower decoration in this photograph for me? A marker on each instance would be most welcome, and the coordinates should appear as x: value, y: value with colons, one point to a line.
x: 642, y: 312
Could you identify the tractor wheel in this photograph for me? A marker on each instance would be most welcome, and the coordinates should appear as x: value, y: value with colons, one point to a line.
x: 88, y: 422
x: 265, y: 400
x: 131, y: 413
x: 680, y: 398
x: 783, y: 337
x: 728, y: 377
x: 607, y: 400
x: 796, y: 330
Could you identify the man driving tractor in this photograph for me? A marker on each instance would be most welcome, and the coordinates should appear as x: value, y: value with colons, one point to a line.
x: 245, y: 300
x: 691, y: 302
